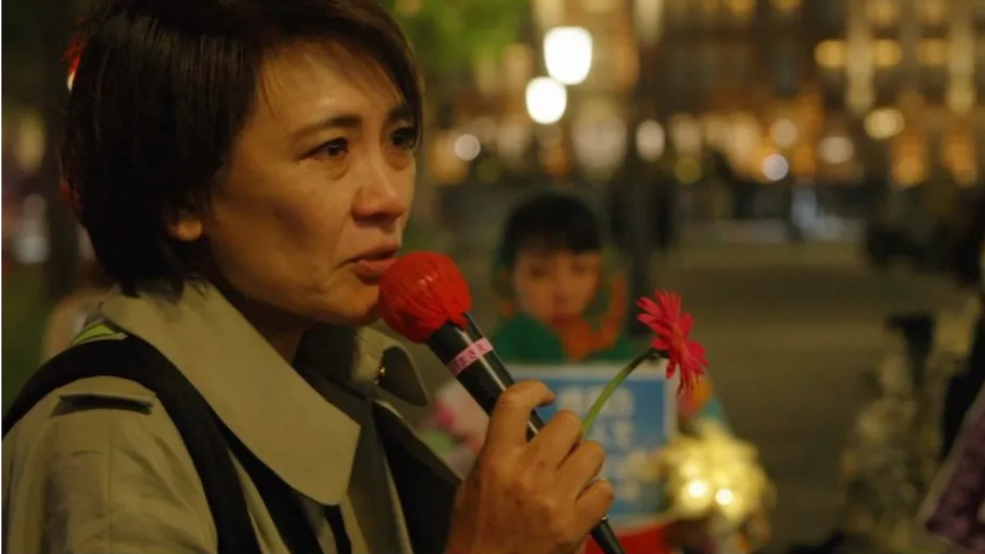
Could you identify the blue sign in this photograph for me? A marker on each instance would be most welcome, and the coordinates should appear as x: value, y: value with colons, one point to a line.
x: 637, y: 420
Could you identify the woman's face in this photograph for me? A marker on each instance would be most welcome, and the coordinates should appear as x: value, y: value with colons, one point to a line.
x: 556, y: 285
x: 312, y: 203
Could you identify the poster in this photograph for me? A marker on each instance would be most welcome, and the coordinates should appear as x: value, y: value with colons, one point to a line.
x: 638, y: 419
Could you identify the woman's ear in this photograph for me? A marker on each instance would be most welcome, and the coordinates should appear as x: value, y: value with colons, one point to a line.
x: 185, y: 223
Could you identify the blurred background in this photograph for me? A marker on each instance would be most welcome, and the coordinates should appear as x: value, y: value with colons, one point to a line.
x: 796, y: 168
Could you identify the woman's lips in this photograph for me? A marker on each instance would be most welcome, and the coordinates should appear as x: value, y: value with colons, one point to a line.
x: 372, y: 269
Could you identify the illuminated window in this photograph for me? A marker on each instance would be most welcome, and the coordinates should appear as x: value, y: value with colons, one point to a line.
x: 887, y: 53
x: 882, y: 13
x: 831, y: 54
x: 884, y: 123
x: 933, y: 12
x: 933, y: 52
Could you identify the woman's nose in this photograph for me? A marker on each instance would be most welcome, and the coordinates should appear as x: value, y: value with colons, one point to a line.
x: 383, y: 195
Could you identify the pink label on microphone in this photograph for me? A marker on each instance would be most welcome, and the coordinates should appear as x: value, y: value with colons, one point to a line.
x: 474, y: 351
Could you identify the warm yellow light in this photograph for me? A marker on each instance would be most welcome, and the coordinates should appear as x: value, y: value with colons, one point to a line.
x: 30, y: 141
x: 651, y: 140
x: 599, y: 6
x: 698, y: 489
x: 717, y: 131
x: 784, y: 132
x: 686, y: 134
x: 548, y: 13
x: 649, y: 20
x: 961, y: 97
x: 908, y: 172
x: 831, y: 54
x: 933, y: 11
x: 884, y: 123
x: 740, y: 7
x: 883, y: 13
x: 887, y: 53
x: 835, y: 149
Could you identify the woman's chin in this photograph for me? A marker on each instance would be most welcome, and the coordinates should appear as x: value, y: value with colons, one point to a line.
x: 366, y: 318
x: 356, y: 310
x: 561, y: 319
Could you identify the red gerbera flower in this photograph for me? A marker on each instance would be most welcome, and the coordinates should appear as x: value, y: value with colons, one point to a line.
x: 71, y: 59
x: 663, y: 315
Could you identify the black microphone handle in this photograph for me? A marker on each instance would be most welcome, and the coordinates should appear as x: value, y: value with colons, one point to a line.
x: 473, y: 361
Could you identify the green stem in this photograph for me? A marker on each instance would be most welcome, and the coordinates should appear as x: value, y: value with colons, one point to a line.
x: 611, y: 387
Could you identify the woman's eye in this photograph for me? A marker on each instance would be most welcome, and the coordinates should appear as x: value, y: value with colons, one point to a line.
x: 334, y: 148
x: 581, y: 269
x: 405, y: 138
x: 538, y: 272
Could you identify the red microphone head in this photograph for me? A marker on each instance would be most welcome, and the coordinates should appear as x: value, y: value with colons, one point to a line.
x: 421, y: 292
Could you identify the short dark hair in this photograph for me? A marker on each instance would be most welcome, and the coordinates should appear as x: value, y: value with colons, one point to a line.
x: 551, y: 221
x: 162, y: 89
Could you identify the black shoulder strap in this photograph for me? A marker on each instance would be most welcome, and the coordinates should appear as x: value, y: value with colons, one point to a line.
x: 425, y: 485
x: 284, y: 506
x: 135, y: 360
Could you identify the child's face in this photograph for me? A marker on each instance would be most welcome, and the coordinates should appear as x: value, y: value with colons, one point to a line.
x: 556, y: 285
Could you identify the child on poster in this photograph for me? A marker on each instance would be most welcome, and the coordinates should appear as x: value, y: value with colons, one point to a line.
x: 561, y: 304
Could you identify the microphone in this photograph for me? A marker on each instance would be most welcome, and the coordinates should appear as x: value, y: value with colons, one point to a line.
x: 424, y: 297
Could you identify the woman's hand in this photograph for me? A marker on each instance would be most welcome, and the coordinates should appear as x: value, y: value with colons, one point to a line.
x: 540, y: 497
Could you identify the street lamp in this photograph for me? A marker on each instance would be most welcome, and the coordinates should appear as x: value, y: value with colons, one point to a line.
x: 568, y: 54
x: 775, y: 167
x: 651, y: 140
x: 784, y: 133
x: 835, y: 149
x: 546, y: 100
x: 884, y: 123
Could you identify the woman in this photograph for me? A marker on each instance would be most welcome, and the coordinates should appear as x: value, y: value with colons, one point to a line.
x: 244, y: 169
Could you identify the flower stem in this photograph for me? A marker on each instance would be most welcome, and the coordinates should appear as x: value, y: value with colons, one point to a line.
x: 611, y: 387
